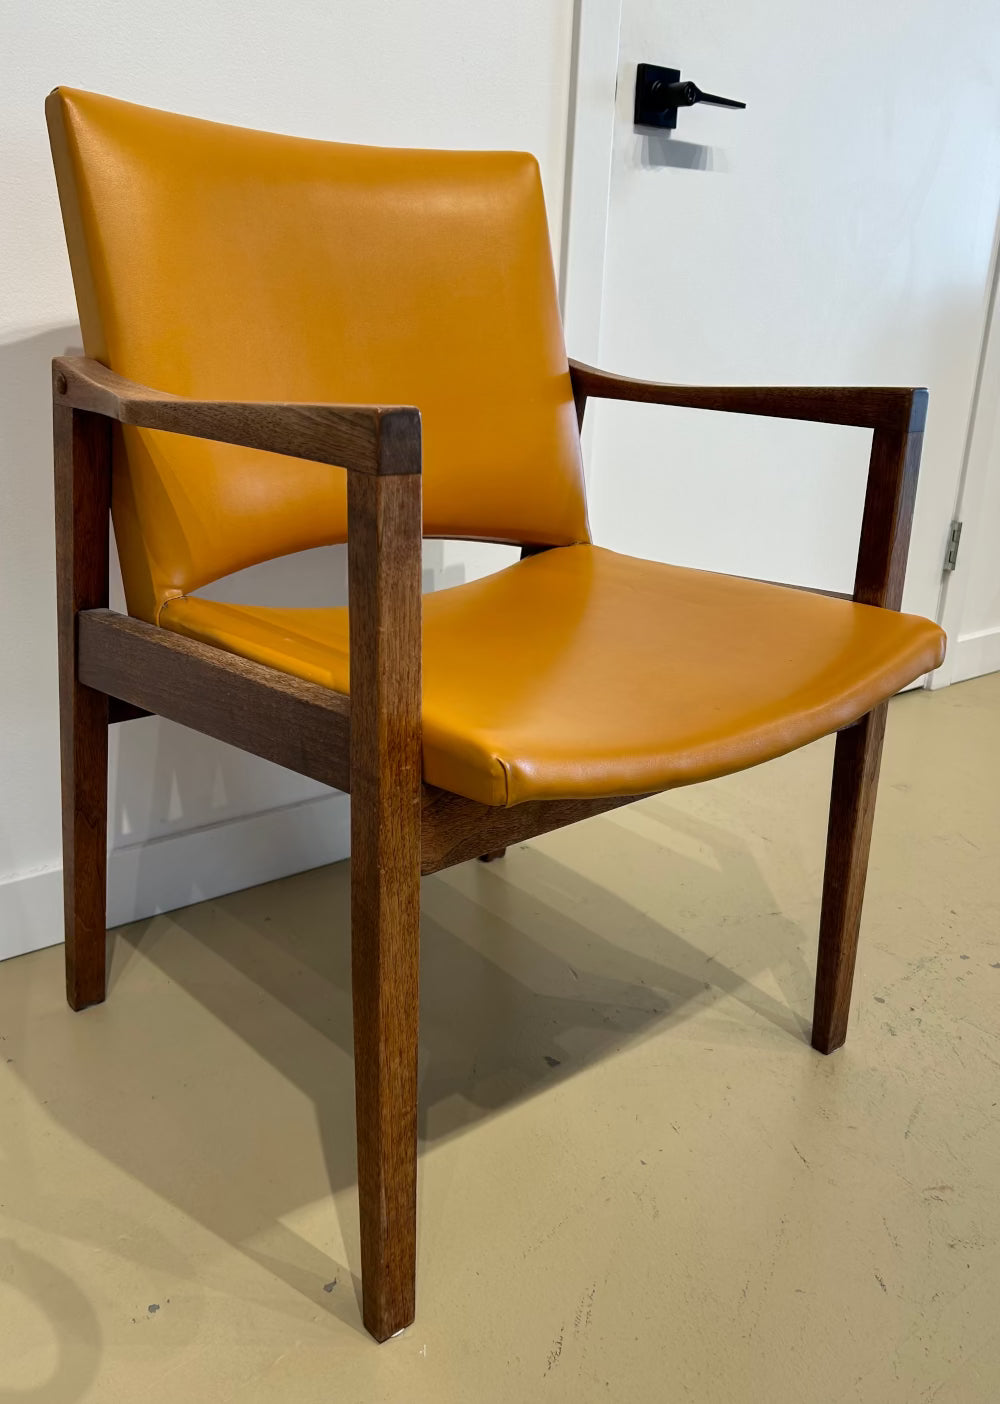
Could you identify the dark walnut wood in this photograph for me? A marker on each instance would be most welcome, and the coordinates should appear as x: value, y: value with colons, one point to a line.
x: 297, y: 724
x: 457, y: 829
x: 893, y: 469
x: 384, y: 581
x: 300, y: 725
x: 364, y: 438
x: 897, y: 417
x: 883, y: 408
x: 852, y: 810
x: 82, y: 444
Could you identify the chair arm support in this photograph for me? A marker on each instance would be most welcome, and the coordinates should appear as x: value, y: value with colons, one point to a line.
x: 897, y: 417
x: 380, y: 446
x: 885, y: 408
x: 375, y: 439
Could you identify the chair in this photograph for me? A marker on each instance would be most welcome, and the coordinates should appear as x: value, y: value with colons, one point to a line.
x: 363, y: 345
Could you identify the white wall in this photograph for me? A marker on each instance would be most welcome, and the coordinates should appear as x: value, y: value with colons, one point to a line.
x: 837, y: 232
x: 441, y: 73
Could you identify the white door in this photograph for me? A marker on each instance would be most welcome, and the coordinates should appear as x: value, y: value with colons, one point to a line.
x: 837, y: 232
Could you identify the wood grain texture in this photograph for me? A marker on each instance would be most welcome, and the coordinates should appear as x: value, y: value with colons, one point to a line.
x: 384, y: 582
x: 363, y: 438
x: 882, y: 553
x: 82, y: 445
x: 300, y: 725
x: 888, y: 512
x: 456, y: 829
x: 852, y: 810
x: 887, y: 407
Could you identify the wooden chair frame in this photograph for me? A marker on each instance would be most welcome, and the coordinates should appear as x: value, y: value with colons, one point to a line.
x: 113, y: 668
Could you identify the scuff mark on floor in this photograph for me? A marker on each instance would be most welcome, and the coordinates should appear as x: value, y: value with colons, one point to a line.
x: 584, y: 1311
x: 913, y: 1116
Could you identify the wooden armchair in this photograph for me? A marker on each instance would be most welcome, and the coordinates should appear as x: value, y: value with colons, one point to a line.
x: 253, y: 278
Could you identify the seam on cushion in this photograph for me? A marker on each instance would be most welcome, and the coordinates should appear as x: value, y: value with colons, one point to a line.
x: 505, y: 773
x: 170, y: 595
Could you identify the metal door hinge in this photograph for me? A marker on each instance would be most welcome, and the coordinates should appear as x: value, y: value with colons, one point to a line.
x: 951, y: 552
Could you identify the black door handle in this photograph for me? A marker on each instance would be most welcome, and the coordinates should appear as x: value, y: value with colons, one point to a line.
x: 686, y: 94
x: 659, y: 92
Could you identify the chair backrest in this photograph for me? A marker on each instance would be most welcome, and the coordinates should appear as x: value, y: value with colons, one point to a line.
x: 224, y: 263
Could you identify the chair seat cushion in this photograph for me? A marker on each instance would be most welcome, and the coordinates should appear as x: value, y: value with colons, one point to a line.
x: 581, y: 673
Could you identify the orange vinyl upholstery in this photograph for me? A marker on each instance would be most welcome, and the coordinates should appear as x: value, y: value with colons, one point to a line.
x: 580, y: 672
x: 222, y: 263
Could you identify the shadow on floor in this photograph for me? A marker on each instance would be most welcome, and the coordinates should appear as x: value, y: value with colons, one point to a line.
x: 530, y: 972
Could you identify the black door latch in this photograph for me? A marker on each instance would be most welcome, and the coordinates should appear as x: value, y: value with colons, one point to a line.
x: 659, y: 92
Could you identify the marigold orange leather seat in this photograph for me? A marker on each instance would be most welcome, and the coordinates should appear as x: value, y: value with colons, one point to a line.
x: 586, y: 673
x: 291, y: 343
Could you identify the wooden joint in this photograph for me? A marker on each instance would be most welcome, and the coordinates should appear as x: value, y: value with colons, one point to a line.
x: 455, y: 829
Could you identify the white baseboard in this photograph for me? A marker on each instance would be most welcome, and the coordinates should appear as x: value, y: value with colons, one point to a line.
x: 178, y: 869
x: 30, y: 912
x: 975, y: 654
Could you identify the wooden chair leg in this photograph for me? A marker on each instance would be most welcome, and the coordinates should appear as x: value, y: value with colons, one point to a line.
x: 84, y: 730
x: 852, y: 809
x: 492, y: 857
x: 384, y: 585
x: 385, y: 916
x: 82, y: 481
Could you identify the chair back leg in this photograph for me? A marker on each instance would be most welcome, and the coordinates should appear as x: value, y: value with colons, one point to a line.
x: 82, y: 444
x: 852, y: 809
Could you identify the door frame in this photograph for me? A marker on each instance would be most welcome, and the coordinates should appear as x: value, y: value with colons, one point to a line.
x: 970, y: 655
x: 590, y: 136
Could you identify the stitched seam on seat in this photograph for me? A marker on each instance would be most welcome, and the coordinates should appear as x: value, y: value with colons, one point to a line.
x: 170, y: 595
x: 506, y: 780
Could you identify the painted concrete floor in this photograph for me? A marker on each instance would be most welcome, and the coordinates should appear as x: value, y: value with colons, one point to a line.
x: 637, y: 1181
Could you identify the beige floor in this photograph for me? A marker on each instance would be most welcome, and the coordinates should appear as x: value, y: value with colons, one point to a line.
x: 637, y: 1181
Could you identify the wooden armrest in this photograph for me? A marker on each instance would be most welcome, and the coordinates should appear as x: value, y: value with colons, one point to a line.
x: 883, y: 408
x: 382, y: 448
x: 376, y: 439
x: 897, y: 417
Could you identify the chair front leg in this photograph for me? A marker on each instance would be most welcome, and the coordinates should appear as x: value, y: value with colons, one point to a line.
x: 384, y: 585
x: 82, y: 443
x: 385, y: 941
x: 852, y: 810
